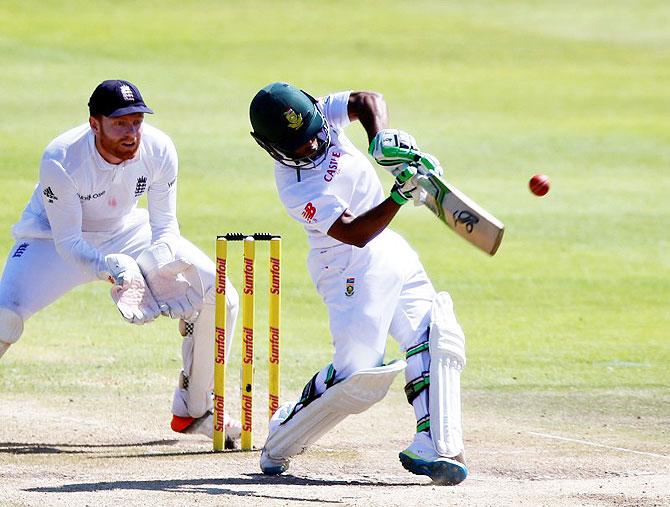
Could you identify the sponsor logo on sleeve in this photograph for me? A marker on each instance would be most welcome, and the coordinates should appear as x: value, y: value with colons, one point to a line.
x: 48, y: 193
x: 308, y: 212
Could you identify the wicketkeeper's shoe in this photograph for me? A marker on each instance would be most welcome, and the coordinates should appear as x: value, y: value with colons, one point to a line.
x: 274, y: 466
x: 420, y: 458
x: 205, y: 426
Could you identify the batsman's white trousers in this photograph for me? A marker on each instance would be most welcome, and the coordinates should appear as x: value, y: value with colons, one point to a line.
x: 370, y: 293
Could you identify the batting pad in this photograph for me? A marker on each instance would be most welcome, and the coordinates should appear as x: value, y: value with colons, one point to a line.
x: 447, y: 358
x: 353, y: 395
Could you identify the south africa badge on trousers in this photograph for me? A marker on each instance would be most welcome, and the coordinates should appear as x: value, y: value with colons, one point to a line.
x: 349, y: 287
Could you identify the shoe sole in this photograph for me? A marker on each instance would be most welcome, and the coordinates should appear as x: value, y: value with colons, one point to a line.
x: 444, y: 472
x: 280, y: 469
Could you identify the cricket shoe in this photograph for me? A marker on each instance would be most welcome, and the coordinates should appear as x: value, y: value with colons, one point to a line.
x: 204, y: 425
x: 420, y: 458
x: 269, y: 465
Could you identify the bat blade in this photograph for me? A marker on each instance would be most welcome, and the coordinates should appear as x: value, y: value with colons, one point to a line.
x: 461, y: 214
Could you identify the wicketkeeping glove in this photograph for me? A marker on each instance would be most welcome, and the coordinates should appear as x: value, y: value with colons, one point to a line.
x: 135, y: 301
x: 391, y: 147
x: 175, y: 295
x: 130, y: 292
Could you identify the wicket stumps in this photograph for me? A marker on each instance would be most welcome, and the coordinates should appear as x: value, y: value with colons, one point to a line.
x: 248, y: 311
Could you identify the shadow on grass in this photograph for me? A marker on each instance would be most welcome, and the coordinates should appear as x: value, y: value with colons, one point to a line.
x: 213, y: 486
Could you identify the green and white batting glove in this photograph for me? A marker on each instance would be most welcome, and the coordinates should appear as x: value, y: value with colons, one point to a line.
x: 405, y: 185
x: 426, y: 166
x: 392, y: 147
x: 430, y: 164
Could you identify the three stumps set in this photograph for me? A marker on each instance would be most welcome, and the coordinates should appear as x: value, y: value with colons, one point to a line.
x: 248, y: 306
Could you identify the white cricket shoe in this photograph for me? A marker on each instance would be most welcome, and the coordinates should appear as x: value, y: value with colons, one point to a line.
x: 420, y: 458
x: 275, y: 466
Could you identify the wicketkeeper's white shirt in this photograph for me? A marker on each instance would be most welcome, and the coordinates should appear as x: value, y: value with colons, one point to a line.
x: 79, y: 193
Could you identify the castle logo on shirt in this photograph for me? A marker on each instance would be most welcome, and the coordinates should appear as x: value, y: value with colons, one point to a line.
x: 140, y: 186
x: 308, y: 212
x: 349, y: 287
x: 19, y: 250
x: 48, y: 193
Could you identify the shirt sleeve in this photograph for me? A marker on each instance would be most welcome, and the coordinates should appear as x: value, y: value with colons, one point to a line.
x: 335, y: 108
x: 63, y: 209
x: 162, y: 200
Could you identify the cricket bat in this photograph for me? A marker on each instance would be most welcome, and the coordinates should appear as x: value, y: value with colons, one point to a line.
x: 461, y: 214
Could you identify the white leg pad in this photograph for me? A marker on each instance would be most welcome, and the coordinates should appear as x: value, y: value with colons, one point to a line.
x: 447, y: 359
x: 193, y: 396
x: 350, y: 396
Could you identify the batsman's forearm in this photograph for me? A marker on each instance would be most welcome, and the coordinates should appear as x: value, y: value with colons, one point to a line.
x: 370, y: 109
x: 360, y: 230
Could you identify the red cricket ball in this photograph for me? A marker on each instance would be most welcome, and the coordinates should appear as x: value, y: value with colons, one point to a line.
x: 539, y: 184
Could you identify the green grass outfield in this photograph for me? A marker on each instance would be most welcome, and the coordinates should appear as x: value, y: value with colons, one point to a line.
x: 577, y: 298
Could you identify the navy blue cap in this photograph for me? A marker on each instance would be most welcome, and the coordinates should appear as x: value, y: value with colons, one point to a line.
x: 116, y: 97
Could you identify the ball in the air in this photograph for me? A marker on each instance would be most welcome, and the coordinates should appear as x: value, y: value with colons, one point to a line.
x: 539, y: 184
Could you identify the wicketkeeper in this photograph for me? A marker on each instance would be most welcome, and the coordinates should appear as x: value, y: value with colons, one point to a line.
x: 82, y: 224
x: 368, y: 276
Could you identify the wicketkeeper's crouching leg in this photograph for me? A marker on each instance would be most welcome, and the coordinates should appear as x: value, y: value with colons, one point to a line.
x: 323, y: 404
x: 183, y: 286
x: 192, y: 405
x: 434, y: 389
x: 11, y: 327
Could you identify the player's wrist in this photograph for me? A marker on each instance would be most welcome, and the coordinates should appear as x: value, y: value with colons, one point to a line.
x: 398, y: 198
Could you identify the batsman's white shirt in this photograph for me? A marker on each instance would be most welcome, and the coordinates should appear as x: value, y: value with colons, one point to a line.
x: 372, y: 291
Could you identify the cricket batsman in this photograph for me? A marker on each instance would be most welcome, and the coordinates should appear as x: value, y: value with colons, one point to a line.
x: 82, y: 224
x: 368, y: 276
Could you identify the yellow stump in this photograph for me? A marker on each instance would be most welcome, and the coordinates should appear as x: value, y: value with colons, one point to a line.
x: 220, y: 344
x: 247, y: 386
x: 274, y: 305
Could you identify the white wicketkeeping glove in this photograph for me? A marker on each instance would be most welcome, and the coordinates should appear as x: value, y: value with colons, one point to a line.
x: 130, y: 292
x: 392, y: 147
x: 164, y: 274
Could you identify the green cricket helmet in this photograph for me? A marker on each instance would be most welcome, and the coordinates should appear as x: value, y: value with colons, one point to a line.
x: 284, y: 118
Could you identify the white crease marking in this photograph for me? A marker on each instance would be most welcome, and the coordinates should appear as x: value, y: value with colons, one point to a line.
x: 594, y: 444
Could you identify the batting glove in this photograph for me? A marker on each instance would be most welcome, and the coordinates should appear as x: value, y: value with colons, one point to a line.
x: 391, y: 147
x: 405, y: 185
